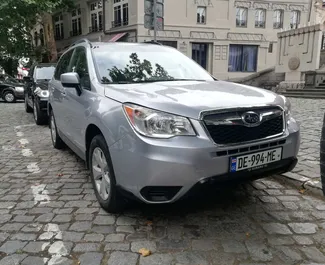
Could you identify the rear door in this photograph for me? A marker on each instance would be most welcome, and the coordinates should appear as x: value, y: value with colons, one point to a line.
x: 58, y: 92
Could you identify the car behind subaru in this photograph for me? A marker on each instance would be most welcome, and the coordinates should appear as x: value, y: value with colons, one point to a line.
x: 10, y: 89
x: 36, y: 91
x: 153, y: 124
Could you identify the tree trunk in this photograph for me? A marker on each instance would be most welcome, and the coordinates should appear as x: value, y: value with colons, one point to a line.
x: 49, y: 36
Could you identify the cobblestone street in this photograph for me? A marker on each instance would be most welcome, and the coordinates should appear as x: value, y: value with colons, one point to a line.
x: 49, y: 214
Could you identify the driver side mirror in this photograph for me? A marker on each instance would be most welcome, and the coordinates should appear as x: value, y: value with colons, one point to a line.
x: 71, y: 80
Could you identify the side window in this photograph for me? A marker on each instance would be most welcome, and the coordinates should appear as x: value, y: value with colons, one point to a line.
x: 80, y: 65
x: 63, y: 64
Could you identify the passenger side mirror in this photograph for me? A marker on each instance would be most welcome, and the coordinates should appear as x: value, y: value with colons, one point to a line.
x: 71, y: 80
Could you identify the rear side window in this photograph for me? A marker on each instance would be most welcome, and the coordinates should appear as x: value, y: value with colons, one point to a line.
x: 63, y: 65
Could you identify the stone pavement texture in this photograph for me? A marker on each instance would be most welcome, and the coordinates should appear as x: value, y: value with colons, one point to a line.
x: 309, y: 113
x: 49, y: 214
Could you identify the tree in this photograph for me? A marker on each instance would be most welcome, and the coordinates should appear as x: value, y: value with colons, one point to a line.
x: 18, y: 18
x: 137, y: 71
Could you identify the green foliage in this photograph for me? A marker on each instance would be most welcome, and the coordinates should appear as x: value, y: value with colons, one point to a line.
x: 137, y: 71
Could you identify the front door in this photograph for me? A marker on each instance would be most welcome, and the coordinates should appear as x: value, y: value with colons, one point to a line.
x: 78, y: 105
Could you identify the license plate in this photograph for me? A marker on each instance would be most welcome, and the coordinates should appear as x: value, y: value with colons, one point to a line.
x: 255, y: 160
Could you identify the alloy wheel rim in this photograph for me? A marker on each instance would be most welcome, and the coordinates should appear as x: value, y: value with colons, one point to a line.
x: 9, y: 97
x: 101, y: 174
x: 53, y: 129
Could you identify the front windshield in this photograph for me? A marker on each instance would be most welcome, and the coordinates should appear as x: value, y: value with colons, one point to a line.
x: 128, y: 63
x: 44, y: 72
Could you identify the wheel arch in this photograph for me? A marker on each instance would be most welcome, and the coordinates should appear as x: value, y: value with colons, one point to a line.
x: 91, y: 131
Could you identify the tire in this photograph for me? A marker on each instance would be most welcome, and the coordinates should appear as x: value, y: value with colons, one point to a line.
x: 112, y: 201
x: 28, y: 109
x: 56, y: 139
x: 322, y: 156
x: 9, y: 97
x: 39, y: 116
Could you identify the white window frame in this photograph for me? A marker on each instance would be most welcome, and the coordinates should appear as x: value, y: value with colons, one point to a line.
x: 201, y: 11
x: 260, y: 18
x: 295, y: 19
x: 241, y: 16
x: 76, y: 18
x: 59, y: 24
x: 122, y: 4
x: 96, y: 10
x: 278, y: 18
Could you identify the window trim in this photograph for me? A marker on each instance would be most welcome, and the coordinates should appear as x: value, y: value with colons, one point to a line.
x: 238, y: 25
x: 59, y: 23
x: 200, y: 17
x: 259, y: 12
x: 281, y: 11
x: 123, y: 22
x: 98, y: 27
x: 59, y: 63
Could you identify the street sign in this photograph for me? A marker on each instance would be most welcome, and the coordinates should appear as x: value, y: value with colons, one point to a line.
x: 154, y: 11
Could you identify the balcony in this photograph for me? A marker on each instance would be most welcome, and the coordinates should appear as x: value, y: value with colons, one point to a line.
x: 241, y: 23
x: 259, y: 24
x: 96, y: 28
x: 277, y: 25
x: 120, y: 23
x: 75, y: 33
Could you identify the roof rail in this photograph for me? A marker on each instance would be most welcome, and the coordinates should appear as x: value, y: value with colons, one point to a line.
x: 80, y: 41
x: 153, y: 42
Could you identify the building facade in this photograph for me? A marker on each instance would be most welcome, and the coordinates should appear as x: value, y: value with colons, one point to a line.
x: 229, y: 38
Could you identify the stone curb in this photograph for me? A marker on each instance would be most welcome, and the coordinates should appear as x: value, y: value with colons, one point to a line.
x: 311, y: 186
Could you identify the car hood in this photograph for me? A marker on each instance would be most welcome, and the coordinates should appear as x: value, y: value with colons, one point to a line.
x: 14, y: 84
x: 190, y: 98
x: 42, y: 84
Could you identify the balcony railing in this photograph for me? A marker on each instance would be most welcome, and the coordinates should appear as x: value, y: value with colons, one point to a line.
x: 277, y: 25
x: 259, y: 24
x: 75, y: 33
x: 241, y: 23
x: 120, y: 23
x: 95, y: 28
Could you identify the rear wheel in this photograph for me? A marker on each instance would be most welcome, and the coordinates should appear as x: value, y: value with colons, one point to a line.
x: 102, y: 176
x: 9, y: 97
x: 56, y: 139
x: 40, y: 117
x: 28, y: 109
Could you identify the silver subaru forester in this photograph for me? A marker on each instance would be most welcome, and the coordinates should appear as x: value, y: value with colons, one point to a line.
x: 153, y: 124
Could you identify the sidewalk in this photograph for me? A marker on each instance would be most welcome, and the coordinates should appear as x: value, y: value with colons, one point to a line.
x: 309, y: 113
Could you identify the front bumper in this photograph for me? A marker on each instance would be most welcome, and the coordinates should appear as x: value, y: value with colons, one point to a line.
x: 42, y: 102
x: 163, y: 171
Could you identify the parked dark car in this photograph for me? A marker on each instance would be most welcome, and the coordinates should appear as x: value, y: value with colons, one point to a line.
x: 36, y: 91
x: 10, y: 88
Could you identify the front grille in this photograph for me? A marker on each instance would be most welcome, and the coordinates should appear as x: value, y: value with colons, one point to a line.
x: 224, y: 134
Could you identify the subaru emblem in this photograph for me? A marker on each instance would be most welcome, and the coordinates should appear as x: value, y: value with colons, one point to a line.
x: 251, y: 118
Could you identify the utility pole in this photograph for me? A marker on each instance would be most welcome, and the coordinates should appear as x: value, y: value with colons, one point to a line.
x: 155, y: 19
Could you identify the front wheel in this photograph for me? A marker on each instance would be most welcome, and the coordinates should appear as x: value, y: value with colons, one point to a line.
x: 102, y: 176
x: 9, y: 97
x: 56, y: 139
x: 39, y: 116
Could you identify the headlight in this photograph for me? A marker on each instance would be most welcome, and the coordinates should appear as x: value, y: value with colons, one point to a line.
x: 157, y: 124
x: 44, y: 93
x: 287, y: 108
x: 19, y: 89
x: 41, y: 93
